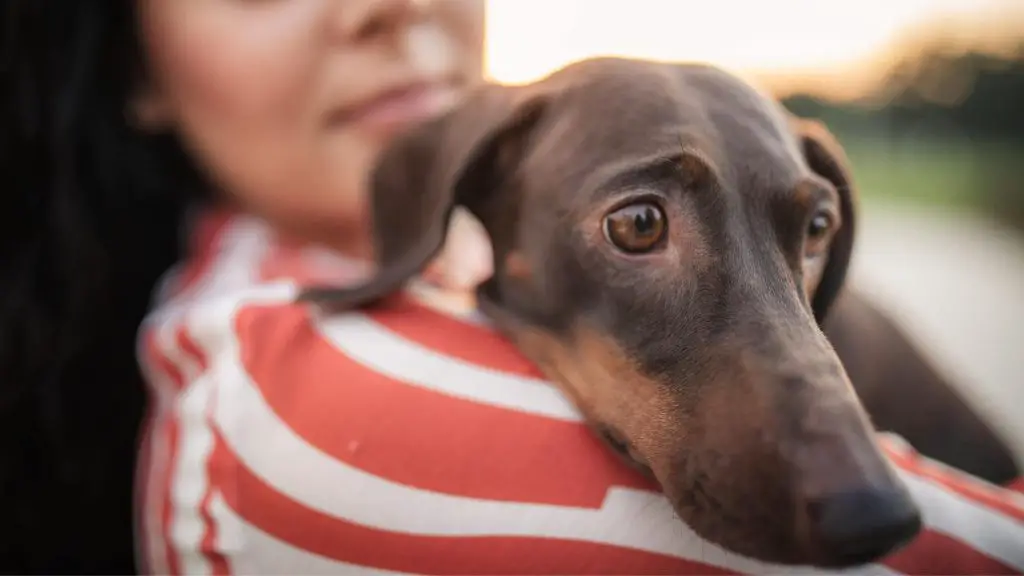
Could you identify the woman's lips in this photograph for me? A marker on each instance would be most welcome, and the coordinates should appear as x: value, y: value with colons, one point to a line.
x: 398, y: 108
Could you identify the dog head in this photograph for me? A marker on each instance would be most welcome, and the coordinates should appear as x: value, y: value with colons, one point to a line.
x: 666, y: 241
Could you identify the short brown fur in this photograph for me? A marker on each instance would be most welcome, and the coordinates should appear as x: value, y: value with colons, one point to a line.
x: 701, y: 361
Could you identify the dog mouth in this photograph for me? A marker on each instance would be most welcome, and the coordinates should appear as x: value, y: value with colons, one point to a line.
x: 618, y: 443
x: 745, y: 494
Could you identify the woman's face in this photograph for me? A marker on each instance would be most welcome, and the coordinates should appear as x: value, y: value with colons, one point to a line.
x: 286, y: 103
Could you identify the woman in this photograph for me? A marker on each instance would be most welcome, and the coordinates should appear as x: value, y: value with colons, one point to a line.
x: 130, y: 110
x: 94, y: 217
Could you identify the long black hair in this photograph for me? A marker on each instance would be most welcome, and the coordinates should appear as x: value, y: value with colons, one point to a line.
x: 90, y: 220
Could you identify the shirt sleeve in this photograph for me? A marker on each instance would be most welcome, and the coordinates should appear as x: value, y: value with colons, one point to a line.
x: 383, y: 441
x: 971, y: 526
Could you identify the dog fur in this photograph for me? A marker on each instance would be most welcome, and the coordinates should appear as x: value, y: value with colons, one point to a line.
x: 701, y: 358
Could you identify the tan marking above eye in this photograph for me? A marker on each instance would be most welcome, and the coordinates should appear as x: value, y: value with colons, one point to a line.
x: 636, y: 228
x: 517, y: 267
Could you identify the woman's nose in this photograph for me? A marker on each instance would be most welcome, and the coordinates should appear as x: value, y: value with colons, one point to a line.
x: 360, y: 20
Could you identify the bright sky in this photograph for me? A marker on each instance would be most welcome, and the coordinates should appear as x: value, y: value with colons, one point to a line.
x: 529, y: 38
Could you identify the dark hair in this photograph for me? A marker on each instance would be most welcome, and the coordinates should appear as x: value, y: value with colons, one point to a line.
x: 91, y: 220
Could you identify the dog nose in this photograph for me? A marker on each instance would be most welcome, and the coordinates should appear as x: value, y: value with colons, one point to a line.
x: 861, y: 526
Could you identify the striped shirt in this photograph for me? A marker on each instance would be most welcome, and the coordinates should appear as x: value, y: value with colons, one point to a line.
x: 410, y: 438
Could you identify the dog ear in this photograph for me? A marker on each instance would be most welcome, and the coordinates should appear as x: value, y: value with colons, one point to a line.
x: 420, y: 179
x: 826, y: 157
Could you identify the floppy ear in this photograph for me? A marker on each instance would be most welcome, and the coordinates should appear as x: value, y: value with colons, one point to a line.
x: 421, y: 178
x: 826, y: 158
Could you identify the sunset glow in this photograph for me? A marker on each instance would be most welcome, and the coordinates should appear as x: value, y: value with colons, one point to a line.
x: 829, y: 40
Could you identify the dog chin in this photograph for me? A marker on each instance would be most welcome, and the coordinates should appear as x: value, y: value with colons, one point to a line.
x: 781, y: 543
x: 736, y: 534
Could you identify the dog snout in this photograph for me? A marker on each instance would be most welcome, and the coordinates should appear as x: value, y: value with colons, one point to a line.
x: 855, y: 507
x: 859, y: 526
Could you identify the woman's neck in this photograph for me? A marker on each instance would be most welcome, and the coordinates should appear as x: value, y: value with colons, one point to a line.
x: 350, y: 239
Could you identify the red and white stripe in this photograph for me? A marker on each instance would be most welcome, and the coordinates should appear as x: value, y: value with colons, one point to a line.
x: 412, y: 439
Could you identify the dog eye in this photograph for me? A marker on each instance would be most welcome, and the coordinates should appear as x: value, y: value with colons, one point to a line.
x: 819, y: 225
x: 819, y: 230
x: 636, y: 228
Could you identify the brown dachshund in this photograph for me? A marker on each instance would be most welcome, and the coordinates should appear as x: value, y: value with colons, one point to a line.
x: 666, y: 242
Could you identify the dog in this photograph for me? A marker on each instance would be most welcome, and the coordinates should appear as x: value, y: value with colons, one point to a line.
x: 667, y: 241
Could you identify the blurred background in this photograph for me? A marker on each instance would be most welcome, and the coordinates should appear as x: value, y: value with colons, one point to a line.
x: 927, y: 96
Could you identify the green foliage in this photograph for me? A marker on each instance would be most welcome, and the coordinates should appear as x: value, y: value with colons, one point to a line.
x: 935, y: 139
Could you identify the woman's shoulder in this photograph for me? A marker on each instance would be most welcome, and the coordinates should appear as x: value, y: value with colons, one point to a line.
x: 236, y: 262
x: 227, y: 258
x: 238, y: 289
